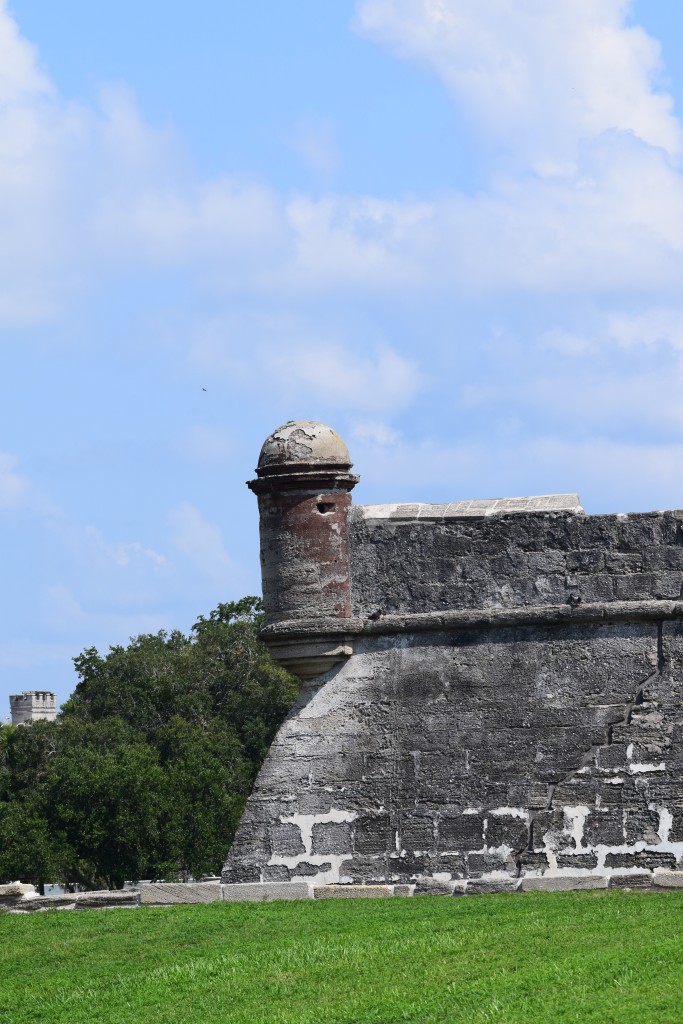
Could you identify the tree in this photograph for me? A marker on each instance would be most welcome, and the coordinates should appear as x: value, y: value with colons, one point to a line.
x: 149, y: 764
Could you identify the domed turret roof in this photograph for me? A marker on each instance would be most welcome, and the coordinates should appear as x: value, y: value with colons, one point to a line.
x: 303, y: 442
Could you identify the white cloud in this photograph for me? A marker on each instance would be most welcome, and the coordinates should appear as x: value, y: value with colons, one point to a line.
x: 306, y: 364
x: 332, y: 375
x: 362, y: 243
x: 19, y: 72
x: 111, y: 563
x: 220, y: 226
x: 121, y: 554
x: 658, y: 326
x: 536, y: 77
x: 202, y: 544
x: 84, y: 191
x: 315, y: 141
x: 625, y: 331
x: 13, y: 486
x: 618, y: 373
x: 374, y: 432
x: 616, y: 223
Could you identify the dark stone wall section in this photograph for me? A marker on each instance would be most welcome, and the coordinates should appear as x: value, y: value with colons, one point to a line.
x: 526, y: 559
x: 494, y: 754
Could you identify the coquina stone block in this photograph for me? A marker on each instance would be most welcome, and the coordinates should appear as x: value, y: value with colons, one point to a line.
x: 668, y: 879
x: 563, y: 883
x: 265, y: 892
x: 630, y: 880
x: 345, y: 892
x: 165, y: 893
x: 487, y: 886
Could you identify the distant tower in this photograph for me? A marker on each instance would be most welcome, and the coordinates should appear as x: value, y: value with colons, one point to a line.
x: 32, y: 706
x: 303, y: 484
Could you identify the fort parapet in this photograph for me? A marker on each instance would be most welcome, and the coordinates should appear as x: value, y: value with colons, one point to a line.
x: 491, y: 689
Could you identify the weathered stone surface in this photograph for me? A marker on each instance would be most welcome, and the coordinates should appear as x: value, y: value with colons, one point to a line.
x: 562, y: 883
x: 577, y: 860
x: 162, y: 893
x: 533, y: 860
x: 345, y: 892
x: 285, y: 840
x: 540, y: 559
x: 507, y: 830
x: 108, y: 898
x: 13, y: 890
x: 484, y: 886
x: 668, y: 879
x: 264, y: 892
x: 479, y: 864
x: 463, y: 832
x: 620, y: 860
x: 652, y: 859
x: 370, y: 833
x: 331, y: 837
x: 631, y: 880
x: 434, y: 887
x: 29, y: 904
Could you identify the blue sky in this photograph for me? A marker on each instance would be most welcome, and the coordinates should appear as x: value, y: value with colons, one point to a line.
x: 453, y: 229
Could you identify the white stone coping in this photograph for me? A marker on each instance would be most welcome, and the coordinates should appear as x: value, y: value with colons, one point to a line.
x: 474, y: 508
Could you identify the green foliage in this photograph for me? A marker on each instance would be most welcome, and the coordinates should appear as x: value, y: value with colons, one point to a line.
x: 579, y: 957
x: 147, y: 769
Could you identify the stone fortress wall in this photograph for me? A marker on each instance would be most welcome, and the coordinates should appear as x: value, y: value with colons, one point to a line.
x: 492, y: 690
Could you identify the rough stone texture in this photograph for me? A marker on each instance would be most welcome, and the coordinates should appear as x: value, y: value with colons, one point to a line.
x: 426, y: 886
x: 345, y: 892
x: 420, y: 564
x: 264, y: 892
x: 635, y: 880
x: 505, y: 700
x: 106, y: 899
x: 563, y: 883
x: 14, y: 890
x: 424, y: 763
x: 668, y: 879
x: 303, y: 441
x: 485, y: 886
x: 30, y: 902
x: 163, y: 893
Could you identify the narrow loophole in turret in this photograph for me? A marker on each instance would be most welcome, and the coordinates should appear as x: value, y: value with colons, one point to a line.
x: 325, y: 507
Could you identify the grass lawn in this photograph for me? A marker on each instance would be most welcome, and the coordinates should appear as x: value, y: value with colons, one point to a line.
x: 584, y: 956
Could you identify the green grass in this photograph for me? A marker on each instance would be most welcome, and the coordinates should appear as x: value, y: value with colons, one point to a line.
x: 585, y: 956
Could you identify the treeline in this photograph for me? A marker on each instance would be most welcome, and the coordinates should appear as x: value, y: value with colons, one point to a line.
x: 147, y: 769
